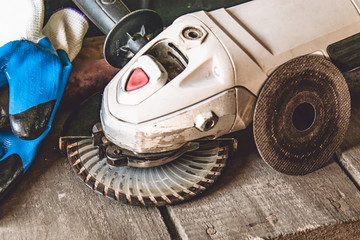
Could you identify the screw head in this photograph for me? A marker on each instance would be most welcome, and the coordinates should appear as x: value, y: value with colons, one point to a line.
x: 115, y: 157
x: 192, y: 33
x: 206, y: 121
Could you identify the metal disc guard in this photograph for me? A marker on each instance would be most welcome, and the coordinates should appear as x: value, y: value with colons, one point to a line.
x: 173, y: 182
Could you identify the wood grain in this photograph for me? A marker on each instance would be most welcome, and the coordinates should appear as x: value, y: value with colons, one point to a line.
x: 52, y: 203
x: 253, y: 201
x: 350, y: 149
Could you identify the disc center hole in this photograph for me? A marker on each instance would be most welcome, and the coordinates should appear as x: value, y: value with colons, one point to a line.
x: 303, y: 116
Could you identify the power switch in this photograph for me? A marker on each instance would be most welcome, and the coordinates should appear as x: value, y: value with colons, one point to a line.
x: 137, y: 79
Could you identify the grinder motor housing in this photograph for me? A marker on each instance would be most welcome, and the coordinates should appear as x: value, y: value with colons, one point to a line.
x: 200, y: 77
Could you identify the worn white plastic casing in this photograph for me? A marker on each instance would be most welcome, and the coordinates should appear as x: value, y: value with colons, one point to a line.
x: 238, y: 49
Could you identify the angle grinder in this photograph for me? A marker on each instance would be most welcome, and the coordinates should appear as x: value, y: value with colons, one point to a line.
x: 155, y: 136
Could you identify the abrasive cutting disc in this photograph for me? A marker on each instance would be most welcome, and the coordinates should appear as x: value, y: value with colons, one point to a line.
x: 173, y: 182
x: 170, y: 183
x: 301, y: 115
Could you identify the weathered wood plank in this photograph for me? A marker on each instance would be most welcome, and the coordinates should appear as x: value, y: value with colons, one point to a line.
x: 52, y: 203
x: 350, y: 149
x: 253, y: 201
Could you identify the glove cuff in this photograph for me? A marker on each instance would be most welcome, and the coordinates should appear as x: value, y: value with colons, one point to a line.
x: 66, y: 29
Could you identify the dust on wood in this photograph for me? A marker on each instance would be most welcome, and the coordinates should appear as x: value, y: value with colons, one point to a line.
x: 348, y: 230
x: 51, y: 202
x: 253, y: 201
x: 350, y: 149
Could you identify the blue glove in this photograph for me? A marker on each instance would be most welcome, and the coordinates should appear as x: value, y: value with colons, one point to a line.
x: 36, y: 74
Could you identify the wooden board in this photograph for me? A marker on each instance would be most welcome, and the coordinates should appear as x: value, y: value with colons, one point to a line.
x: 252, y: 201
x: 350, y: 156
x: 51, y: 202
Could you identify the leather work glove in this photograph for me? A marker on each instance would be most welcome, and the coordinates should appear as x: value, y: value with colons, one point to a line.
x: 35, y: 64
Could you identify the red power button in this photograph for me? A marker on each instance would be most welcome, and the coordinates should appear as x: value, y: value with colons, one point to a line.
x: 137, y: 80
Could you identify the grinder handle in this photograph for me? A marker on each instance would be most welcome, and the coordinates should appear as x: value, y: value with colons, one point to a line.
x: 105, y: 14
